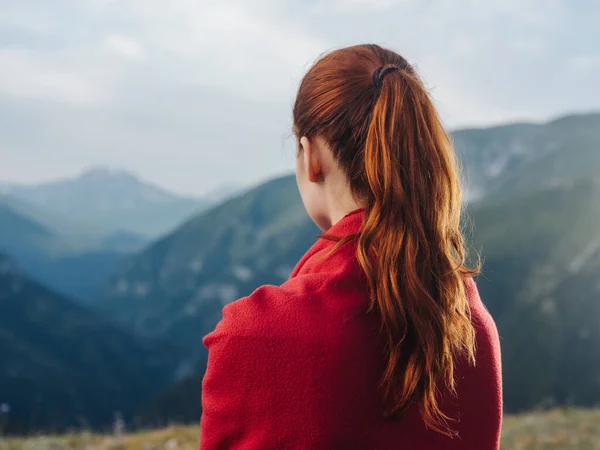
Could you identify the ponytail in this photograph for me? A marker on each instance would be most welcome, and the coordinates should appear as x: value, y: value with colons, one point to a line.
x: 411, y: 228
x: 400, y: 163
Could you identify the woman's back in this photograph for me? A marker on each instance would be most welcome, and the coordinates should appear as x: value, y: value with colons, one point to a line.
x: 379, y: 339
x: 299, y: 367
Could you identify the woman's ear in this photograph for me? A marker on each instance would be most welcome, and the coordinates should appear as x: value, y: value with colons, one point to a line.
x: 310, y: 160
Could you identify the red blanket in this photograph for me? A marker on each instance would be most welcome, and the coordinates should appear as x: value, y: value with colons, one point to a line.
x: 297, y: 366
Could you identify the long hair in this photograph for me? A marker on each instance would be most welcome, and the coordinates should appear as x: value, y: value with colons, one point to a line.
x: 385, y: 134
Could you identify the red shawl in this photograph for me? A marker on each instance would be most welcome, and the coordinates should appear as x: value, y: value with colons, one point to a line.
x: 297, y: 366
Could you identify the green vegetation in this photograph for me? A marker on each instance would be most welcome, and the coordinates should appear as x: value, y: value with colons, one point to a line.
x: 539, y: 280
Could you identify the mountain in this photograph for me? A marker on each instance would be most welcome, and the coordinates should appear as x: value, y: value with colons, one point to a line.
x: 540, y: 282
x: 223, y: 192
x: 19, y: 234
x: 113, y: 201
x: 180, y: 403
x: 78, y: 276
x: 535, y: 223
x: 79, y: 233
x: 63, y: 365
x: 56, y: 261
x: 517, y: 158
x: 178, y: 286
x: 122, y: 241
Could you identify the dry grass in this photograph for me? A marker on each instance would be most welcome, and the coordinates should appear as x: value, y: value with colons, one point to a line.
x: 554, y: 430
x: 568, y: 429
x: 172, y: 438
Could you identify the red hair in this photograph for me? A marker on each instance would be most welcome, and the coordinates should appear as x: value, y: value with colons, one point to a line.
x: 385, y: 134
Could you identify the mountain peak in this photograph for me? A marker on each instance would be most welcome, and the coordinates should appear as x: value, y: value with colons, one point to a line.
x: 106, y: 172
x: 111, y: 198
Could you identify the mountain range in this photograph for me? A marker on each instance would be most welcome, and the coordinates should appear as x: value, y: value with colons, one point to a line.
x: 110, y: 201
x: 512, y: 160
x: 63, y: 365
x: 72, y: 233
x: 56, y: 260
x: 533, y: 210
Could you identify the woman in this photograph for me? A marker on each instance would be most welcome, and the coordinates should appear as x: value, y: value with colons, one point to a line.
x: 379, y: 339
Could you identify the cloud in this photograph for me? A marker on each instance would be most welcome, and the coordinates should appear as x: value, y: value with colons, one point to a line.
x: 585, y: 63
x: 15, y: 17
x: 193, y: 94
x: 239, y: 46
x: 30, y: 75
x: 125, y: 46
x: 329, y: 6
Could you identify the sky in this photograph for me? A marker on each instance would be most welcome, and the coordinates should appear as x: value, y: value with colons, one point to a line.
x: 194, y: 95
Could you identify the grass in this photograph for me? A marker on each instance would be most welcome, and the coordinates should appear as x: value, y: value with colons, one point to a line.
x: 568, y: 429
x: 172, y: 438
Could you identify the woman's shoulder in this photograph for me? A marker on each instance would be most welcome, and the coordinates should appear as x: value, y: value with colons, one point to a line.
x: 481, y: 316
x: 488, y: 339
x: 255, y: 313
x: 298, y: 308
x: 266, y: 311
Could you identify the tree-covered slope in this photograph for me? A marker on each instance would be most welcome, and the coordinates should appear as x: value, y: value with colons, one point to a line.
x: 516, y: 159
x: 540, y: 281
x: 62, y: 365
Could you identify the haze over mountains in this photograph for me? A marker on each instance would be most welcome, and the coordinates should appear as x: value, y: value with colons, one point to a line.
x: 111, y: 200
x: 71, y: 233
x: 534, y: 200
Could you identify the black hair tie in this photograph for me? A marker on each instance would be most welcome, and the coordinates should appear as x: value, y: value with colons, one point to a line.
x: 381, y: 72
